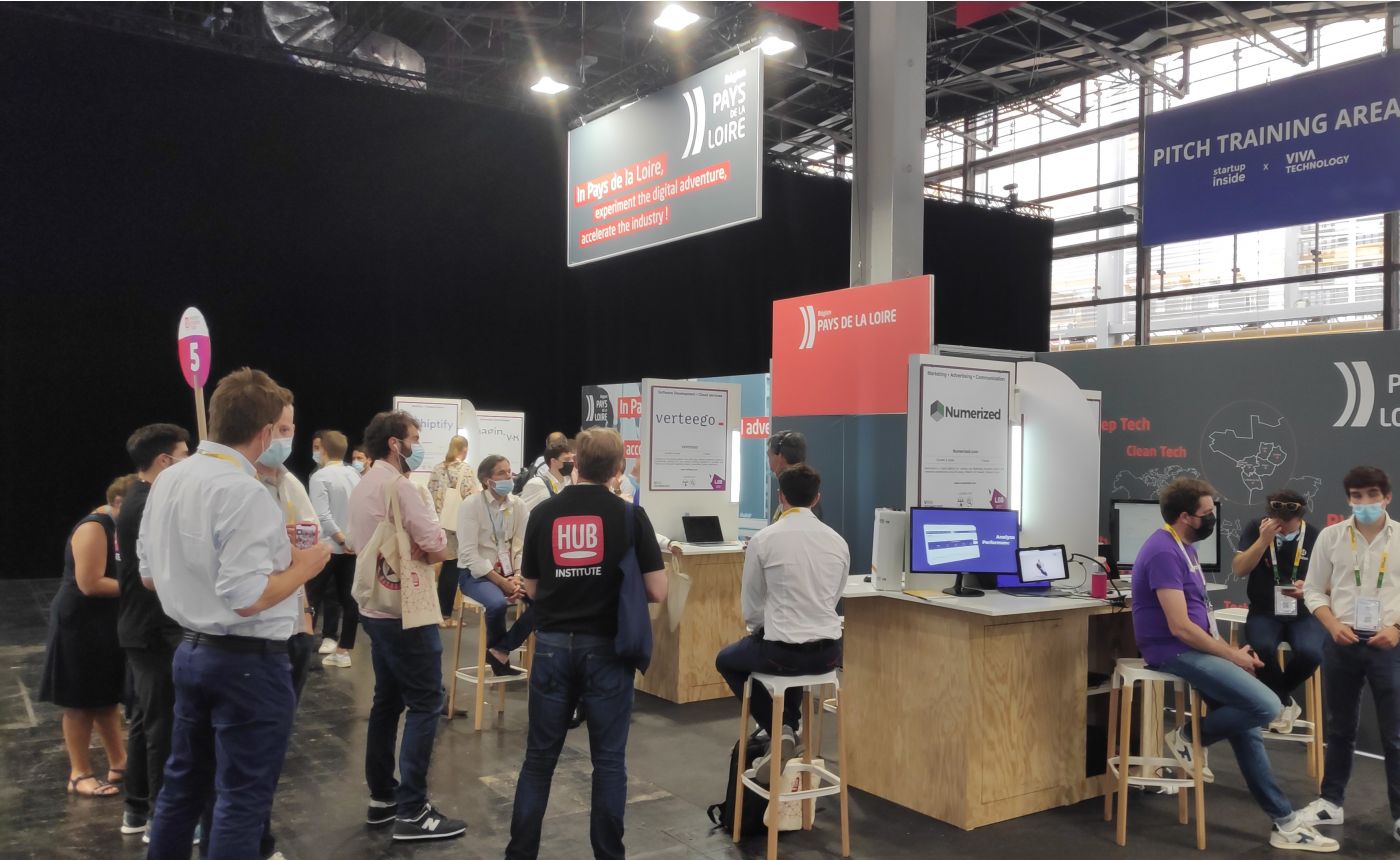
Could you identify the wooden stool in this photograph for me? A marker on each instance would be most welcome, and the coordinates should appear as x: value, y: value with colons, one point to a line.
x: 476, y: 675
x: 1306, y: 731
x: 1126, y: 674
x: 828, y: 783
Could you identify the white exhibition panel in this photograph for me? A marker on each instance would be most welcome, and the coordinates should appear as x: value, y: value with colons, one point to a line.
x: 498, y: 432
x: 439, y: 419
x: 959, y: 431
x: 690, y: 445
x: 1060, y: 460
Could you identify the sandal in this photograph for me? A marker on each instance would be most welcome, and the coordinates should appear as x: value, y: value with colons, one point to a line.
x: 120, y: 775
x: 100, y: 791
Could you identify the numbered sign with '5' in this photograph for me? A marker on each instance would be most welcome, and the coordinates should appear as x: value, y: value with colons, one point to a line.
x: 195, y: 354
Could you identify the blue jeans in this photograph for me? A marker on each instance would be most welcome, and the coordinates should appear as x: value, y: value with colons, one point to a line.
x: 233, y: 718
x: 1240, y: 705
x: 1304, y: 633
x: 483, y: 591
x: 570, y: 667
x: 1346, y: 669
x: 407, y: 676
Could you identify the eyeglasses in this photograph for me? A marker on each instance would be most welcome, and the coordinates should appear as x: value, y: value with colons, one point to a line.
x: 1286, y: 507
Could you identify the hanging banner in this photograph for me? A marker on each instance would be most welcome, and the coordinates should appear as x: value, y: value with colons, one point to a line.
x: 964, y: 434
x: 683, y: 161
x: 846, y: 352
x: 1316, y: 147
x: 500, y: 433
x: 439, y: 419
x: 687, y: 443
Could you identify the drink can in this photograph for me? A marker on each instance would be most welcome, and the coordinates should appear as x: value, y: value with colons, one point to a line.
x: 307, y: 533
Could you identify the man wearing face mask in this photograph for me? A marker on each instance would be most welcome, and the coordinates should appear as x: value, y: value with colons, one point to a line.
x: 331, y: 486
x: 490, y: 538
x: 1353, y: 591
x: 214, y: 546
x: 1274, y: 554
x: 555, y: 476
x: 407, y: 662
x: 1176, y: 633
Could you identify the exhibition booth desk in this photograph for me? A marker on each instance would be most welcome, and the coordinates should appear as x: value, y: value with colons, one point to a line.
x: 975, y: 710
x: 700, y: 616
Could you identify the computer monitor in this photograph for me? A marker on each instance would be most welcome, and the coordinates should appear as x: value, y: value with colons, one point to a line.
x: 1132, y: 522
x: 962, y: 540
x: 1042, y: 565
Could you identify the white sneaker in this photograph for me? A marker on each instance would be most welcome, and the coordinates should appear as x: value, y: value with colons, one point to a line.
x: 1290, y: 714
x: 1396, y: 830
x: 1302, y: 837
x: 761, y: 766
x: 1181, y: 751
x: 1322, y: 813
x: 328, y: 646
x: 337, y: 660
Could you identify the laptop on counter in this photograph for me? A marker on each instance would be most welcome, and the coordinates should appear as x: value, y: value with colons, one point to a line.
x: 703, y: 531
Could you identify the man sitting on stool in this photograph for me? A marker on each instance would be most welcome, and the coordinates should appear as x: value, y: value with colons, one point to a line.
x: 1176, y: 633
x: 794, y: 574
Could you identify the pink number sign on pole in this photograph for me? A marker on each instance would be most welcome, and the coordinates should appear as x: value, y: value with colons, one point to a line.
x: 195, y: 355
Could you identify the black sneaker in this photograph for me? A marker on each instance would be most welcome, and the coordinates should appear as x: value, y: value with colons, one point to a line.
x: 133, y: 824
x: 381, y: 812
x: 427, y: 824
x: 500, y: 668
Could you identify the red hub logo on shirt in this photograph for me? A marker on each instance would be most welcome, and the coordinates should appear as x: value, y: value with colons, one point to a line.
x: 578, y: 541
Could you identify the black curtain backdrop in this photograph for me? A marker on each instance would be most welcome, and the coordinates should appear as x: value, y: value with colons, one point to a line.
x: 358, y: 243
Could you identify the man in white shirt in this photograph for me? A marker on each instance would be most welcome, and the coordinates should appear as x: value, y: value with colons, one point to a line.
x: 214, y: 546
x: 794, y: 574
x: 331, y: 486
x: 1353, y: 588
x: 556, y: 475
x: 490, y: 538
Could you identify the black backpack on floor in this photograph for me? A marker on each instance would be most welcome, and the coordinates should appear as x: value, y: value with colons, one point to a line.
x: 751, y: 817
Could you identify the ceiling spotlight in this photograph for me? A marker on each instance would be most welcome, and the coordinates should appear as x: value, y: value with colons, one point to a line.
x: 775, y: 38
x: 675, y: 18
x: 549, y: 86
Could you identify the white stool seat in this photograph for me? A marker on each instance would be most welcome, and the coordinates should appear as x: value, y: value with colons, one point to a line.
x: 1134, y: 669
x: 1233, y: 615
x: 777, y: 684
x: 477, y: 675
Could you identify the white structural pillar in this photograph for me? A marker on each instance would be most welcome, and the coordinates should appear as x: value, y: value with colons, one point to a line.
x: 887, y: 195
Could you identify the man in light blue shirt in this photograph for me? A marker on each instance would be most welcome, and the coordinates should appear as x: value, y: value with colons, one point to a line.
x: 214, y: 546
x: 331, y: 486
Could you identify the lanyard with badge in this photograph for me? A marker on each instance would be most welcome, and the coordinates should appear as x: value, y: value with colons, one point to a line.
x: 498, y: 534
x: 1285, y: 606
x: 1368, y: 609
x: 1195, y: 567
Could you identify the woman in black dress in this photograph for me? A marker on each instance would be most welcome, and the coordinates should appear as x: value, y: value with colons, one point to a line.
x: 85, y: 669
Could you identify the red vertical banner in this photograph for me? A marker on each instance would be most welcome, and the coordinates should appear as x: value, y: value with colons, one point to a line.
x: 846, y: 352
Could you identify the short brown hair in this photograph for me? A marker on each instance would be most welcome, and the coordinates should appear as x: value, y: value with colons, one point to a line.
x: 245, y: 402
x: 382, y: 428
x: 1361, y: 477
x: 334, y: 443
x: 598, y: 454
x: 488, y: 465
x: 800, y: 485
x: 1183, y: 496
x: 120, y: 487
x: 559, y: 448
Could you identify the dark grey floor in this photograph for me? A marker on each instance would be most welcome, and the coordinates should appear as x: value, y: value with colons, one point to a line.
x: 677, y: 760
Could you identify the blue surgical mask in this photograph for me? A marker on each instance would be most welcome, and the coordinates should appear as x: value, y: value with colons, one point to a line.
x: 503, y: 486
x: 1289, y: 538
x: 413, y: 459
x: 358, y: 466
x: 317, y: 458
x: 277, y: 453
x: 1367, y: 514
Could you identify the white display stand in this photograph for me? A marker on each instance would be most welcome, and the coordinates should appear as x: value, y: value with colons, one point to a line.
x: 500, y: 433
x: 439, y: 419
x: 690, y: 437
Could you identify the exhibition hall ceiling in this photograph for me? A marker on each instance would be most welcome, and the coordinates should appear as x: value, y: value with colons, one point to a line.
x: 611, y: 53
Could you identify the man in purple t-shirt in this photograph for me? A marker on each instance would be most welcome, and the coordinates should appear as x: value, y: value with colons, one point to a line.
x: 1176, y: 634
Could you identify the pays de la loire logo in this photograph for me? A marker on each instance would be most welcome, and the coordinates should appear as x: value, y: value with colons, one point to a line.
x: 809, y: 326
x: 1361, y: 396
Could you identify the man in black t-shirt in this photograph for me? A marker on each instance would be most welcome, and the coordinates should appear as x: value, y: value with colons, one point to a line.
x: 1274, y: 555
x: 574, y: 546
x: 148, y: 636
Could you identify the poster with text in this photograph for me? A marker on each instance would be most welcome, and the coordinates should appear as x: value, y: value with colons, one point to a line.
x: 439, y: 419
x: 964, y: 437
x: 688, y: 441
x: 500, y: 433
